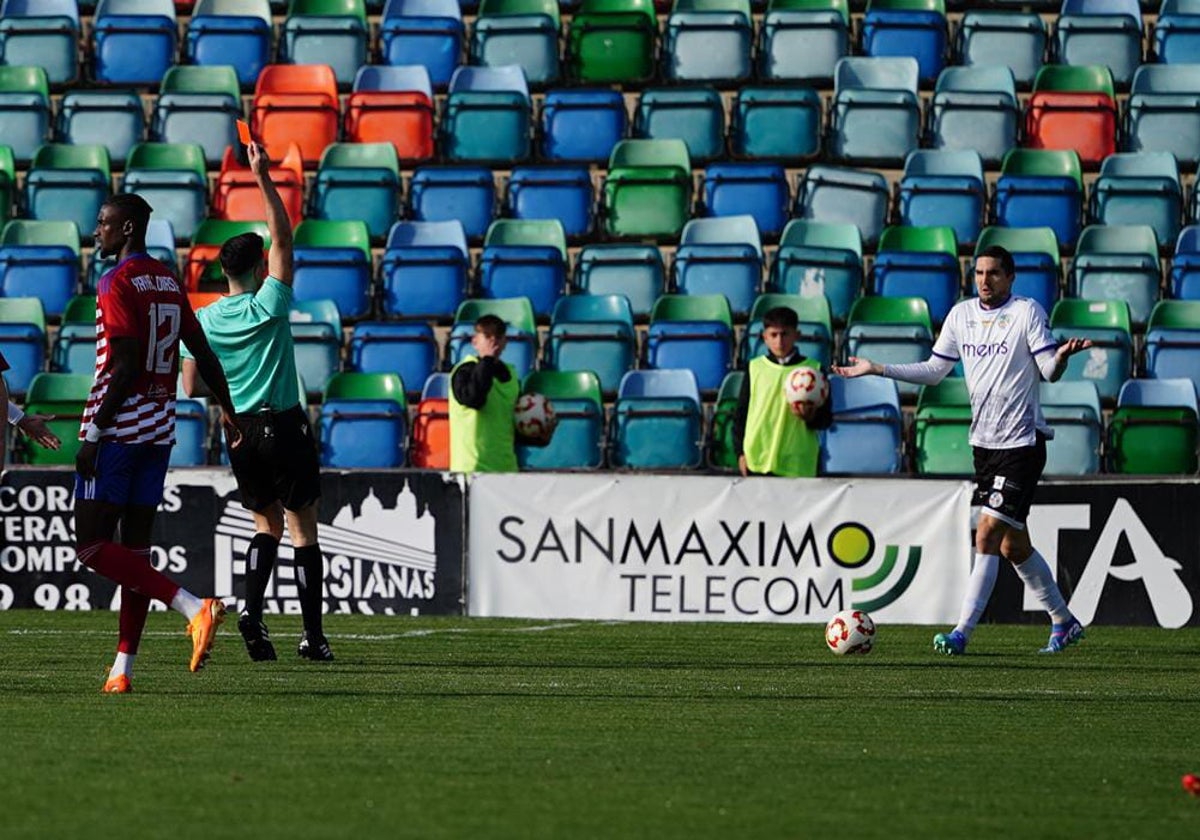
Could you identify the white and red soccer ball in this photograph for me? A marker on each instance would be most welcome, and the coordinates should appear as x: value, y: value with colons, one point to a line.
x: 534, y: 416
x: 806, y: 385
x: 850, y: 631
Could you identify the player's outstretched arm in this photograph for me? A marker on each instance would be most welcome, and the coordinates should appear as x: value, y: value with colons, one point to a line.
x: 209, y: 368
x: 858, y: 367
x: 279, y: 258
x: 1064, y: 352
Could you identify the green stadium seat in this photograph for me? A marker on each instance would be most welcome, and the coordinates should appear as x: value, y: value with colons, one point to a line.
x: 199, y: 105
x: 612, y: 41
x: 721, y: 452
x: 1153, y: 430
x: 941, y: 426
x: 172, y: 179
x: 648, y: 191
x: 890, y: 330
x: 64, y: 396
x: 1109, y: 362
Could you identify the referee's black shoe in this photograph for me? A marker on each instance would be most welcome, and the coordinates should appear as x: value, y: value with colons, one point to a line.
x: 316, y: 648
x: 257, y: 639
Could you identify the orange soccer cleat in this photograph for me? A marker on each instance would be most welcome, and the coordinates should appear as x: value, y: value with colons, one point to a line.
x: 203, y: 629
x: 120, y: 684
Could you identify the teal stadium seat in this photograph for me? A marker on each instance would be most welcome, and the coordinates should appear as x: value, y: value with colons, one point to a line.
x: 657, y: 421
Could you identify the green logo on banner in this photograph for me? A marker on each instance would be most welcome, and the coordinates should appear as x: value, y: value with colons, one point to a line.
x: 852, y: 546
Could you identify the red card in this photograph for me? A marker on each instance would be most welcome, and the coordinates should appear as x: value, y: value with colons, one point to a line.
x: 243, y: 129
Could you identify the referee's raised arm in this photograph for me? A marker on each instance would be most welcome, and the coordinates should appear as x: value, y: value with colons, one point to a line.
x: 279, y: 257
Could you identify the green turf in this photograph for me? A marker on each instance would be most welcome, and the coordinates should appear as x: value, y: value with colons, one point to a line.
x: 481, y: 728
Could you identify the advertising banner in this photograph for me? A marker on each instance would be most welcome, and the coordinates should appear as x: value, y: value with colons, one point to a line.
x: 392, y: 542
x: 662, y: 548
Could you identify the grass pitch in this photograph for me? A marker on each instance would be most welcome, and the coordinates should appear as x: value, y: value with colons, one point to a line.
x: 483, y: 728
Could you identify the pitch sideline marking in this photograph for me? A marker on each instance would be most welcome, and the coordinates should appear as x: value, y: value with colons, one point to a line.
x: 358, y: 637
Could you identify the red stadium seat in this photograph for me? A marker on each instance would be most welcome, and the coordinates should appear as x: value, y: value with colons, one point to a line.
x: 1073, y: 107
x: 431, y: 435
x: 296, y: 103
x: 238, y: 198
x: 402, y: 118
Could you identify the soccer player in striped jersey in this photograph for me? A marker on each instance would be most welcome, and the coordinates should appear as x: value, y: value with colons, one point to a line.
x: 33, y: 425
x: 1004, y: 343
x: 128, y: 429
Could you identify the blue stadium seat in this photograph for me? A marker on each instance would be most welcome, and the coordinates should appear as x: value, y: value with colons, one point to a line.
x: 320, y: 32
x: 876, y: 111
x: 836, y: 194
x: 1139, y: 188
x: 708, y: 41
x: 363, y: 434
x: 1177, y: 32
x: 134, y: 41
x: 525, y: 33
x: 898, y: 28
x: 944, y: 188
x: 191, y: 434
x: 820, y: 259
x: 919, y: 262
x: 333, y: 261
x: 593, y: 333
x: 721, y: 256
x: 425, y: 32
x: 41, y: 33
x: 172, y: 179
x: 1173, y: 340
x: 317, y: 336
x: 525, y: 258
x: 1161, y: 115
x: 199, y: 105
x: 463, y: 193
x: 1072, y: 409
x: 776, y: 123
x: 24, y: 110
x: 49, y: 273
x: 230, y: 32
x: 693, y: 332
x: 582, y: 125
x: 358, y: 181
x: 437, y: 386
x: 635, y: 271
x: 759, y: 190
x: 487, y: 115
x: 1118, y: 262
x: 1107, y: 32
x: 22, y: 341
x: 578, y: 441
x: 1010, y: 38
x: 409, y: 349
x: 868, y: 429
x: 657, y: 421
x: 890, y: 331
x: 694, y: 115
x: 976, y: 109
x: 424, y: 269
x: 1185, y: 265
x: 564, y: 193
x: 801, y: 42
x: 1041, y: 188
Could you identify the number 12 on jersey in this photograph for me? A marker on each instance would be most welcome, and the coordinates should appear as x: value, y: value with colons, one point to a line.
x: 165, y: 321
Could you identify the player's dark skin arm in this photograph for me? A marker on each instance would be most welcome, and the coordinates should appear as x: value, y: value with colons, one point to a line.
x: 124, y: 371
x: 213, y: 374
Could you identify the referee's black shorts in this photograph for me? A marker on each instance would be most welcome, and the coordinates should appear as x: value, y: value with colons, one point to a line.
x: 1006, y: 479
x: 277, y: 460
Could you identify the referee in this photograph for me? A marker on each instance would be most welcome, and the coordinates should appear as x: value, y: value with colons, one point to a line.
x: 276, y: 467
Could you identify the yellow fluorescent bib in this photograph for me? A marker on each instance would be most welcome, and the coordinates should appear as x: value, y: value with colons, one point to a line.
x: 777, y: 442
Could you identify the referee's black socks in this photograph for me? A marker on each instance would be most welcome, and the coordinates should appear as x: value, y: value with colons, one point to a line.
x: 260, y: 561
x: 310, y: 575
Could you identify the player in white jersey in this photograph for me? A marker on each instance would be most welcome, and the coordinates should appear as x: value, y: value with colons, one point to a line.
x: 1004, y: 343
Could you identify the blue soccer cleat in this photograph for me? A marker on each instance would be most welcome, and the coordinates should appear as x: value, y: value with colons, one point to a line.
x: 953, y: 643
x: 1063, y: 636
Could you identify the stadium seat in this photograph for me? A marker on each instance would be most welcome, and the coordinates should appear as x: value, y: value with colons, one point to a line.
x: 890, y: 331
x: 1036, y: 257
x: 940, y: 427
x: 522, y: 348
x: 521, y: 32
x: 708, y: 41
x: 919, y: 262
x: 876, y: 113
x: 694, y: 115
x: 759, y: 190
x: 635, y: 271
x: 429, y: 446
x: 836, y: 194
x: 1153, y: 429
x: 68, y: 183
x: 22, y: 341
x: 1012, y: 38
x: 656, y: 422
x: 776, y: 123
x: 42, y: 33
x: 160, y: 244
x: 62, y: 395
x: 721, y: 452
x: 393, y: 105
x: 362, y: 433
x: 172, y: 179
x: 1072, y: 410
x: 563, y: 193
x: 648, y: 191
x: 333, y: 261
x: 487, y: 116
x: 328, y: 32
x: 295, y: 103
x: 463, y: 193
x: 814, y: 337
x: 358, y: 181
x: 202, y: 266
x: 408, y: 349
x: 693, y: 332
x: 1041, y: 188
x: 975, y: 109
x: 1185, y: 265
x: 236, y: 33
x: 611, y: 41
x: 113, y: 119
x: 74, y: 347
x: 437, y: 385
x: 424, y: 269
x: 578, y: 441
x: 49, y: 273
x: 191, y: 434
x: 24, y: 110
x: 1173, y: 340
x: 868, y: 429
x: 317, y: 336
x: 425, y: 32
x: 721, y: 256
x: 525, y: 258
x: 1073, y: 108
x: 1177, y: 32
x: 199, y: 105
x: 820, y: 259
x: 593, y: 333
x: 802, y: 40
x: 582, y: 125
x: 1109, y: 362
x: 133, y: 41
x: 1118, y: 262
x: 1100, y: 32
x: 8, y: 183
x: 1161, y: 115
x: 1139, y: 188
x: 944, y: 188
x: 915, y: 28
x: 237, y: 196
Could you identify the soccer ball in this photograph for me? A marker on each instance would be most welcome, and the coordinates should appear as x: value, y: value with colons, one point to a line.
x: 534, y: 416
x: 850, y: 631
x: 806, y: 385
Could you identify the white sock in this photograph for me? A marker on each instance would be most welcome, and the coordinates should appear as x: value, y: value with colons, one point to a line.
x: 979, y: 591
x: 1036, y: 574
x: 186, y: 603
x: 122, y: 665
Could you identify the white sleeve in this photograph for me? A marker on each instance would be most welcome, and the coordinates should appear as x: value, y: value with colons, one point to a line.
x: 929, y: 372
x: 1042, y: 343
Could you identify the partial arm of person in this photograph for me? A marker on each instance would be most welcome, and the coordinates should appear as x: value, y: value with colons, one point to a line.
x: 190, y: 379
x: 279, y: 257
x: 740, y: 413
x: 209, y: 368
x: 123, y: 369
x: 472, y: 382
x: 929, y: 372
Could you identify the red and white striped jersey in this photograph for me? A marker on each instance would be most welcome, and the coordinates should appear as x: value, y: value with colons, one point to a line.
x: 141, y: 298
